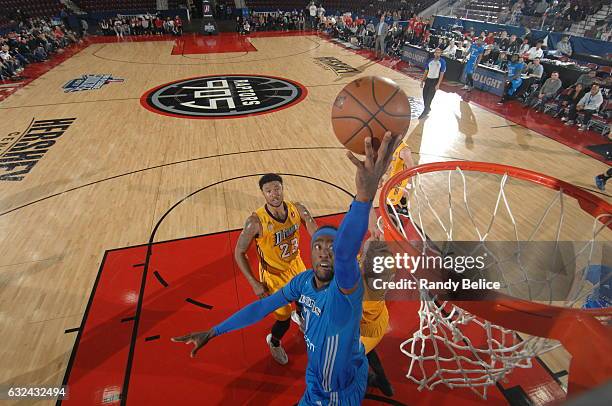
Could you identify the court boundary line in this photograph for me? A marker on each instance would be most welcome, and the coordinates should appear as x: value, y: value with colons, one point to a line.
x: 24, y: 205
x: 205, y: 63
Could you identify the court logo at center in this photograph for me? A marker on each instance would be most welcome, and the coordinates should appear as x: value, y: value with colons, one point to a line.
x: 223, y: 96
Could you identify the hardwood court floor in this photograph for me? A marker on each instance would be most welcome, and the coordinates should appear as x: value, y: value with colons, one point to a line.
x: 118, y: 168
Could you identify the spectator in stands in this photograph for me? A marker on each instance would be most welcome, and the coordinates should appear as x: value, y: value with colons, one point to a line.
x: 24, y: 50
x: 84, y: 27
x: 105, y: 27
x: 425, y: 39
x: 450, y: 50
x: 588, y: 105
x: 312, y: 13
x: 320, y: 13
x: 535, y: 52
x: 525, y: 47
x: 382, y: 29
x: 540, y: 8
x: 125, y: 26
x: 118, y: 29
x: 503, y: 41
x: 502, y: 61
x: 587, y: 79
x: 178, y: 25
x: 535, y: 70
x: 487, y: 56
x: 167, y: 25
x: 576, y: 14
x: 419, y: 27
x: 514, y: 81
x: 39, y: 52
x: 504, y: 15
x: 514, y: 45
x: 516, y: 14
x: 547, y: 92
x: 564, y: 46
x: 568, y: 99
x: 10, y: 63
x: 159, y: 26
x: 146, y: 25
x: 490, y: 39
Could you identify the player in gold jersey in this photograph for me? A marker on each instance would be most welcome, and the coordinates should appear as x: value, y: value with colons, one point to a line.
x: 375, y: 315
x: 275, y: 229
x: 402, y: 160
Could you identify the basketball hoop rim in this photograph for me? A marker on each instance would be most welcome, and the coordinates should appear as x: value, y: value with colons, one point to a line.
x: 590, y: 203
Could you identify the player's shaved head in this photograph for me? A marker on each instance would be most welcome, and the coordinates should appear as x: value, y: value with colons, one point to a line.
x: 322, y: 255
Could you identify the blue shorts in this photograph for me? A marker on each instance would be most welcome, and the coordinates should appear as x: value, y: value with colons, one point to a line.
x: 469, y: 67
x: 351, y: 396
x: 515, y: 84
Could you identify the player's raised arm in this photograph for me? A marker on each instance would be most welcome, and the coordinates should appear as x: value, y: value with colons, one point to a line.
x: 251, y: 229
x: 355, y: 223
x: 251, y: 314
x: 311, y: 224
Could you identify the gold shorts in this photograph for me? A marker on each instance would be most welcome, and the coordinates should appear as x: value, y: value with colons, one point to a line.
x: 276, y: 281
x: 374, y: 323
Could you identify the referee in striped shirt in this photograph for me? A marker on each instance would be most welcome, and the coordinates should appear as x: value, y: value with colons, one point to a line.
x: 434, y: 73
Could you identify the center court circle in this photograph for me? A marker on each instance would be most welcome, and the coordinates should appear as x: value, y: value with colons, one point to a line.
x: 223, y: 96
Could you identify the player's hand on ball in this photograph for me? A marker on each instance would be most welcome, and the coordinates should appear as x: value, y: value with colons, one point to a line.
x: 371, y: 171
x: 199, y: 340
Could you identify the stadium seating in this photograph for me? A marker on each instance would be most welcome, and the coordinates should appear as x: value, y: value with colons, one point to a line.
x: 38, y: 8
x: 370, y: 7
x: 124, y: 5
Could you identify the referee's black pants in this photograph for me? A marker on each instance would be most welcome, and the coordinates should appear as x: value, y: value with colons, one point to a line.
x: 429, y: 91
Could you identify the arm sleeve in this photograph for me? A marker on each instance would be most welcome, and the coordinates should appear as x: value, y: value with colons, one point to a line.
x: 442, y: 65
x: 348, y: 242
x: 252, y: 313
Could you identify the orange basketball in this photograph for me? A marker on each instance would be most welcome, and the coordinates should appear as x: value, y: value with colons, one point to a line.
x: 369, y: 106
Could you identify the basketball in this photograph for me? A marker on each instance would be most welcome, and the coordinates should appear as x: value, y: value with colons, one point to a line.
x: 369, y: 106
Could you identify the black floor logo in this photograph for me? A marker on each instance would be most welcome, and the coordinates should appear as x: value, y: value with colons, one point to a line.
x: 226, y: 96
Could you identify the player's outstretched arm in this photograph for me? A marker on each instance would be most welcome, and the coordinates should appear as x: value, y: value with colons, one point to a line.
x: 355, y: 223
x: 251, y: 314
x: 311, y: 224
x: 251, y: 229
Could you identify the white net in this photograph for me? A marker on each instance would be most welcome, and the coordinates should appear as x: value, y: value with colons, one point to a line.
x: 455, y: 348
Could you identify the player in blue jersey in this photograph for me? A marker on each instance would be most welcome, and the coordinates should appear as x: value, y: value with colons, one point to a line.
x: 331, y: 295
x: 514, y: 80
x: 473, y: 59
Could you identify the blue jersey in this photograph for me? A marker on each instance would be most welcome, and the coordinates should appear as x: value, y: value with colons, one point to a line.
x: 335, y: 352
x: 515, y: 68
x: 475, y: 51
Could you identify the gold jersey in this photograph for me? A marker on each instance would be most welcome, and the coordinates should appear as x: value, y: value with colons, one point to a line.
x: 397, y: 165
x: 278, y: 246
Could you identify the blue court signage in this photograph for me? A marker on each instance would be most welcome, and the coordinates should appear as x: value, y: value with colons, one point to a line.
x: 489, y: 80
x: 415, y: 56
